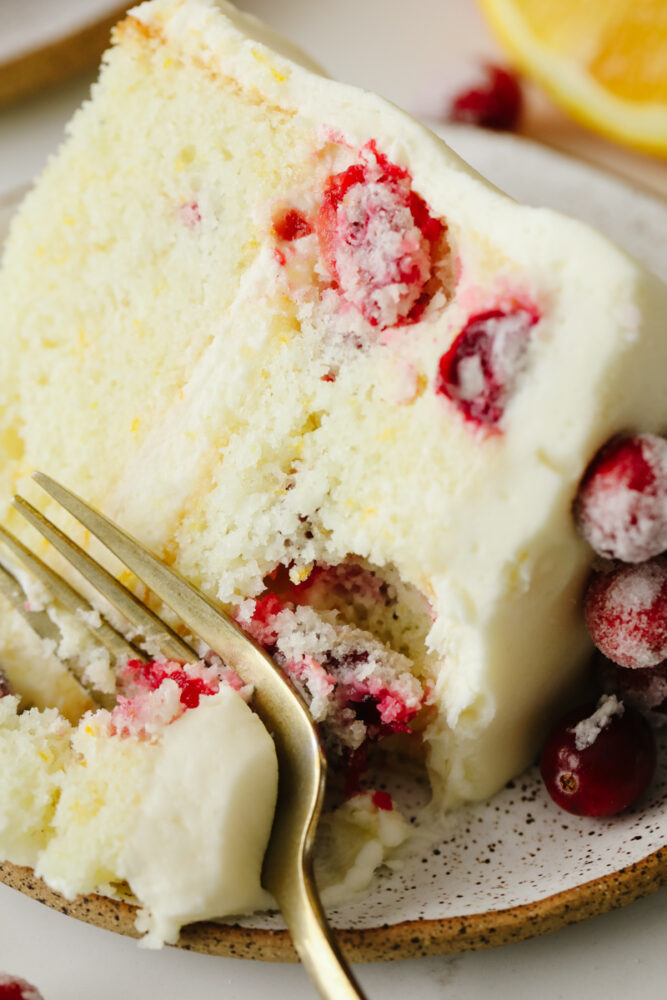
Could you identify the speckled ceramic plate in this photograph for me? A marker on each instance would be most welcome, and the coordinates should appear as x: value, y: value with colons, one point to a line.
x: 515, y: 866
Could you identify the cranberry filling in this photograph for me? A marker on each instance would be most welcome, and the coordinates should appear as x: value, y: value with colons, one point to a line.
x: 291, y: 225
x: 378, y: 706
x: 496, y: 102
x: 479, y: 370
x: 149, y: 676
x: 378, y: 240
x: 262, y: 626
x: 336, y: 675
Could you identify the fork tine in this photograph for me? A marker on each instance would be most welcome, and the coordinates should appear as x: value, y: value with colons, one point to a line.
x: 201, y: 615
x: 301, y: 762
x: 39, y: 621
x: 170, y: 644
x: 45, y: 628
x: 70, y: 599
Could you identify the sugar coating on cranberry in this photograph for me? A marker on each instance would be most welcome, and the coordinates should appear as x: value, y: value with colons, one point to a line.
x: 360, y: 690
x: 645, y: 690
x: 494, y: 102
x: 480, y: 369
x: 621, y: 505
x: 259, y: 618
x: 378, y: 240
x: 15, y: 988
x: 626, y: 613
x: 599, y: 758
x: 154, y: 694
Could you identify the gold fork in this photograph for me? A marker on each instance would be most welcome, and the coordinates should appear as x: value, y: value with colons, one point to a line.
x: 287, y: 871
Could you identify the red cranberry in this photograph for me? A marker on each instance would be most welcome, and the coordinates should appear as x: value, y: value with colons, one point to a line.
x: 382, y: 800
x: 495, y: 102
x: 621, y: 506
x: 146, y: 676
x: 479, y: 370
x: 14, y: 988
x: 149, y: 676
x: 291, y: 225
x: 626, y: 613
x: 261, y: 625
x: 356, y: 767
x: 5, y: 686
x: 382, y: 709
x: 645, y: 690
x: 192, y: 688
x: 378, y: 240
x: 598, y: 760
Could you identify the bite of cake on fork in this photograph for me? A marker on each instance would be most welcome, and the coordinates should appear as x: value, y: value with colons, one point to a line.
x: 188, y: 832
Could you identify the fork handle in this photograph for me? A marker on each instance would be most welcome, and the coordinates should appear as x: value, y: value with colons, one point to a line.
x: 315, y: 944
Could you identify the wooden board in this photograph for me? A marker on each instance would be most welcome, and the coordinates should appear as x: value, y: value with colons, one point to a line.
x: 41, y: 46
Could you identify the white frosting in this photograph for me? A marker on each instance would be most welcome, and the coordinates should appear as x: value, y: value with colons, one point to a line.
x: 184, y: 819
x: 353, y: 842
x: 201, y: 828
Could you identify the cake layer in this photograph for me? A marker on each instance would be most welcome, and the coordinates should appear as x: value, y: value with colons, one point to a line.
x: 182, y: 816
x: 278, y: 325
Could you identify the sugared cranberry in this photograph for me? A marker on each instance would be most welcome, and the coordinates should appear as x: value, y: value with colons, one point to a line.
x: 621, y: 506
x: 479, y: 370
x: 149, y: 677
x: 146, y: 676
x: 378, y: 240
x: 14, y: 988
x: 645, y: 690
x: 5, y: 686
x: 598, y: 760
x: 626, y: 613
x: 261, y: 624
x: 291, y: 225
x: 495, y: 102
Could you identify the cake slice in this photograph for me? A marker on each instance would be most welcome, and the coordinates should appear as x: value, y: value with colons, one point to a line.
x: 283, y: 335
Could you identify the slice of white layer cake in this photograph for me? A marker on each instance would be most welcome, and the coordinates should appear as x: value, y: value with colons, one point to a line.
x: 275, y: 327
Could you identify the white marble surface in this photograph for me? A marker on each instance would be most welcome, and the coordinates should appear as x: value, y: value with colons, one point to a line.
x: 614, y: 956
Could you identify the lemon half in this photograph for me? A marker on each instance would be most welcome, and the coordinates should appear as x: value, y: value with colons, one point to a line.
x: 603, y: 61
